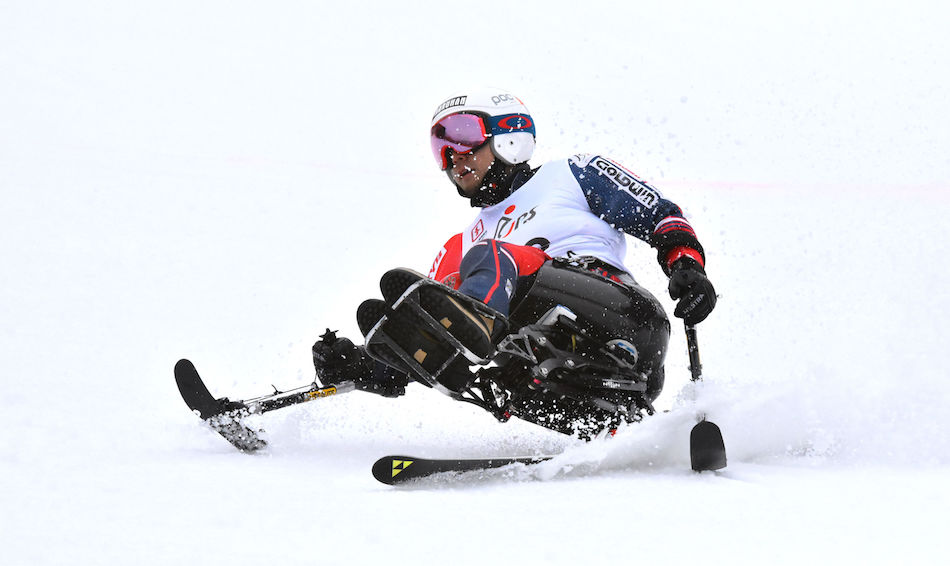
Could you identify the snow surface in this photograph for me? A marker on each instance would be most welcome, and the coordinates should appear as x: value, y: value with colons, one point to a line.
x: 221, y: 181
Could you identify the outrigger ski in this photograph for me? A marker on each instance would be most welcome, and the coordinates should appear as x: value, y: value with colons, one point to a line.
x: 226, y: 417
x: 707, y: 451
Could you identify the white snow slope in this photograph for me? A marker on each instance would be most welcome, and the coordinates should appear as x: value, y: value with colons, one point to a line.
x: 223, y: 180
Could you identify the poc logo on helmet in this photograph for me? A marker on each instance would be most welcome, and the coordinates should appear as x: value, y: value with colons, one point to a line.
x: 499, y: 98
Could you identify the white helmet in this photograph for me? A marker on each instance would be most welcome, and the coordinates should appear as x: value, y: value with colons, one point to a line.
x: 507, y: 121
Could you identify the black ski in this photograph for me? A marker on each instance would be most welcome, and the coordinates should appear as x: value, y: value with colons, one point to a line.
x: 223, y: 416
x: 226, y: 417
x: 392, y: 470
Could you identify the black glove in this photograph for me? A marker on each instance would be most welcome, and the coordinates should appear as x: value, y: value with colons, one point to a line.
x: 688, y: 284
x: 338, y: 360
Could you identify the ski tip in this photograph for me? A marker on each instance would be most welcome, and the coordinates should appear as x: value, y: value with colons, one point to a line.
x: 184, y: 365
x: 389, y: 469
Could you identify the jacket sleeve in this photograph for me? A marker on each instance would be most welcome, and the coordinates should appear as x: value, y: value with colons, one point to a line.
x: 628, y: 204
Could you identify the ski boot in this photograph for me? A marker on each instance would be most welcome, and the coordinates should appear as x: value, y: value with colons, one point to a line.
x: 428, y: 330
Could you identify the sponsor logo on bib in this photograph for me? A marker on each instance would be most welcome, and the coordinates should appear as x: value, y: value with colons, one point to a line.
x: 509, y: 222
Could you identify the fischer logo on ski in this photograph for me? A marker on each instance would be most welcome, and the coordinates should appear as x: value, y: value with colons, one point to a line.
x: 400, y: 465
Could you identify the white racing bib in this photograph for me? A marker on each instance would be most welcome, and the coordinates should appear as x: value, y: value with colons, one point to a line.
x: 549, y: 212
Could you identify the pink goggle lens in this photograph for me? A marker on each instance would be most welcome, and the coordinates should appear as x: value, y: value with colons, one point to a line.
x: 459, y: 132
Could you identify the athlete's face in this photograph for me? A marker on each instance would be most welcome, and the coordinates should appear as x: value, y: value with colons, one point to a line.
x: 468, y: 170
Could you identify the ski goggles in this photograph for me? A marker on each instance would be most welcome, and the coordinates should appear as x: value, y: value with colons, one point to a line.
x: 463, y: 133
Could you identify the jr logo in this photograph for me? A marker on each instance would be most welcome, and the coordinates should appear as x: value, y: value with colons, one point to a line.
x: 478, y: 231
x: 509, y: 223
